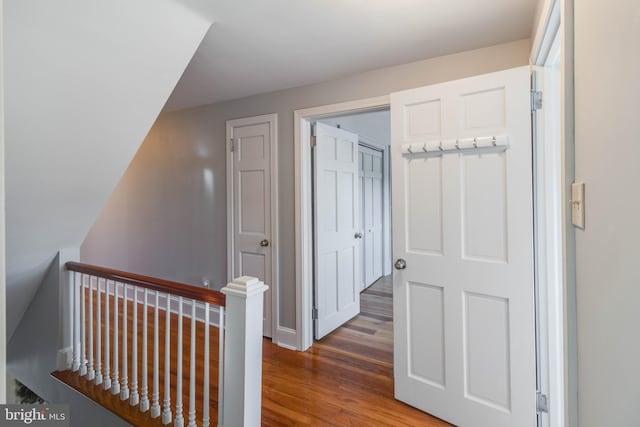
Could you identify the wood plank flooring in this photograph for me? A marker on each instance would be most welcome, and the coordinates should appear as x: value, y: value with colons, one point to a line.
x: 370, y: 334
x: 344, y: 380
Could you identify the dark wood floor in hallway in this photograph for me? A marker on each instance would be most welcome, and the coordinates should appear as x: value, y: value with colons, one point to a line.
x: 346, y: 379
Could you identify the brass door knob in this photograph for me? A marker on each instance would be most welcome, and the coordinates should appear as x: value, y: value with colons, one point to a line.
x: 264, y: 243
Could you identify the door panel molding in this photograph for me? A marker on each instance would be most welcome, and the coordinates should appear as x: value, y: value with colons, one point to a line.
x: 463, y: 223
x: 251, y: 155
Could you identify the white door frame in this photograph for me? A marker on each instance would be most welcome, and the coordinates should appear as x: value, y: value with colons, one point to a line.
x: 304, y: 207
x: 272, y: 119
x: 552, y: 251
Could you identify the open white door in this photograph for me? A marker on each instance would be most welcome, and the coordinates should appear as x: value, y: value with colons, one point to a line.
x: 336, y: 258
x: 251, y: 199
x: 462, y: 238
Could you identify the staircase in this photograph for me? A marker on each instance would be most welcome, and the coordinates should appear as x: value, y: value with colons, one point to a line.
x: 156, y: 352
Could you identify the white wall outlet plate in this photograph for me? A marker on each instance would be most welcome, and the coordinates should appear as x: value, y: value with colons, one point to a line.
x: 577, y: 204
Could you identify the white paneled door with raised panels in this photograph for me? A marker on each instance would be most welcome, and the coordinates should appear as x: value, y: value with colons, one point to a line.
x: 337, y: 247
x: 371, y: 192
x: 462, y: 242
x: 250, y: 196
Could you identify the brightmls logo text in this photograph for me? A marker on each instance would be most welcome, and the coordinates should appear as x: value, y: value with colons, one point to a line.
x: 34, y: 415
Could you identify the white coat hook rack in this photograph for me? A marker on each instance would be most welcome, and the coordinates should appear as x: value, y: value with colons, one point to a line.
x: 439, y: 147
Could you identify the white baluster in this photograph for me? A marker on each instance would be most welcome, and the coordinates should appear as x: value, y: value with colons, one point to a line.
x: 220, y: 364
x: 76, y: 323
x: 83, y: 325
x: 99, y: 378
x: 107, y: 338
x: 91, y: 373
x: 124, y: 383
x: 144, y: 398
x: 155, y: 405
x: 179, y: 421
x: 192, y: 368
x: 134, y: 399
x: 205, y: 391
x: 115, y: 383
x: 166, y: 412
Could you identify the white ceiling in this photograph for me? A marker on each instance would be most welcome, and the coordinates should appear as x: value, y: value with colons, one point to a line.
x: 258, y: 46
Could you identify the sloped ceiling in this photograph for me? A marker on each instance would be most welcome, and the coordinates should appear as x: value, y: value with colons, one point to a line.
x: 261, y: 46
x: 84, y: 82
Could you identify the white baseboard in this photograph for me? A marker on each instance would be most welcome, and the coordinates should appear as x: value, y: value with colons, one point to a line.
x: 287, y: 338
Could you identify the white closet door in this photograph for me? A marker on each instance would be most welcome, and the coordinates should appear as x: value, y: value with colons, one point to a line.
x: 372, y: 214
x: 462, y: 238
x: 336, y: 213
x: 250, y: 192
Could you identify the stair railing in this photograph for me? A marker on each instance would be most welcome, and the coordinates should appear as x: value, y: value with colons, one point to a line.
x: 107, y: 304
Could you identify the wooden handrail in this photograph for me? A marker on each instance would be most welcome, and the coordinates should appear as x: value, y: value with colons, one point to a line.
x: 174, y: 288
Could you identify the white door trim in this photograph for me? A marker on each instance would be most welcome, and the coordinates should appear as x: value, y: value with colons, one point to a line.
x: 272, y: 119
x: 548, y: 27
x: 304, y: 208
x: 552, y: 253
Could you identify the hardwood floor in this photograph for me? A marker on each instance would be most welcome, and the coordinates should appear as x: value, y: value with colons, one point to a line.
x: 370, y: 334
x: 344, y: 380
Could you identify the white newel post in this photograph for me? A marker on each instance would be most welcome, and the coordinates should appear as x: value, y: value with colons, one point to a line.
x: 68, y: 306
x: 243, y: 353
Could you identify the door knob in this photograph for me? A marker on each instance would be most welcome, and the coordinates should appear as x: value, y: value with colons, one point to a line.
x: 358, y: 235
x: 400, y: 264
x: 264, y: 243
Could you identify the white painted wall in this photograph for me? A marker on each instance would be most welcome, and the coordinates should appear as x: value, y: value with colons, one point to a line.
x: 161, y: 191
x: 84, y: 83
x: 607, y: 149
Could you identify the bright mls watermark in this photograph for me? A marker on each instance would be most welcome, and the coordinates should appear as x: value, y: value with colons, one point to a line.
x: 34, y: 415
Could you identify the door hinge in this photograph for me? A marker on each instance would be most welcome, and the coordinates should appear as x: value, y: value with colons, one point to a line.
x: 313, y: 135
x: 232, y: 144
x: 314, y: 313
x: 536, y: 100
x: 542, y: 403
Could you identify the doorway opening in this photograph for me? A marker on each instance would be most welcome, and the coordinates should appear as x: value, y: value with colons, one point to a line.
x: 303, y: 120
x: 352, y: 232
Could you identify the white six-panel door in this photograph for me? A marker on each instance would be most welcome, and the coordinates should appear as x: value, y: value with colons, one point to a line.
x: 336, y: 225
x: 371, y: 250
x: 462, y: 225
x: 250, y: 195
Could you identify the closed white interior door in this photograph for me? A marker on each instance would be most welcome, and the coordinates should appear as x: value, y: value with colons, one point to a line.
x: 371, y: 195
x: 462, y: 239
x: 336, y: 228
x: 250, y: 194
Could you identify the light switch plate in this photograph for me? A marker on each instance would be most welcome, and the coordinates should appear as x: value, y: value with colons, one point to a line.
x: 577, y: 204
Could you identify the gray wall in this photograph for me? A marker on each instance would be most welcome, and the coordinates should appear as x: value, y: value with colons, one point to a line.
x: 607, y: 151
x: 3, y: 307
x: 165, y: 219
